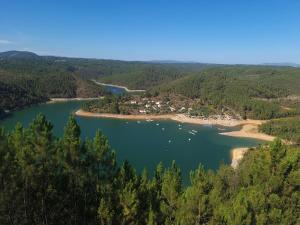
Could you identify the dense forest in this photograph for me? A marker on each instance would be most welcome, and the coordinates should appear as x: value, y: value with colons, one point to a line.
x: 258, y: 92
x: 252, y: 92
x: 67, y: 180
x: 29, y: 80
x: 26, y: 78
x: 285, y: 128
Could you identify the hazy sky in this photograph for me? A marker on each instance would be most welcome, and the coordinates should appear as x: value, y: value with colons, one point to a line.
x: 223, y: 31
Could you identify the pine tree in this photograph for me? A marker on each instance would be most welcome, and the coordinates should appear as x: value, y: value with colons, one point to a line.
x: 171, y: 190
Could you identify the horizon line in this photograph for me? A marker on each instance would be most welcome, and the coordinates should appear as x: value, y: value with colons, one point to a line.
x: 162, y: 61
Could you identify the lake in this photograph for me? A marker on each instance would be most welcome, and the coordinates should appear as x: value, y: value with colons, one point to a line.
x: 143, y: 143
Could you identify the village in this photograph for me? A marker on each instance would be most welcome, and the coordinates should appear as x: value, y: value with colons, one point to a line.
x: 152, y: 105
x: 137, y: 104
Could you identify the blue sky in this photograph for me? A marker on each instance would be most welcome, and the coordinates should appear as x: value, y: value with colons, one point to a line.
x: 215, y: 31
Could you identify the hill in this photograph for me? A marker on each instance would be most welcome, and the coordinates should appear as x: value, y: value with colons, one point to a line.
x: 42, y: 77
x: 27, y: 79
x: 18, y: 55
x: 252, y: 91
x: 260, y: 92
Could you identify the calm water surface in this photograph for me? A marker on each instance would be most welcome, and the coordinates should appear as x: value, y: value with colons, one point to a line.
x: 144, y: 143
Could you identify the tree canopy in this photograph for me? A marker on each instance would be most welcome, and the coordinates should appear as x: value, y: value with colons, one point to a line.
x: 67, y: 180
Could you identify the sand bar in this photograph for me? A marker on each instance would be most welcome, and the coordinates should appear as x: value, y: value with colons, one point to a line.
x: 250, y: 131
x: 54, y: 100
x: 249, y: 127
x: 80, y: 112
x: 237, y: 155
x: 176, y: 117
x: 118, y: 86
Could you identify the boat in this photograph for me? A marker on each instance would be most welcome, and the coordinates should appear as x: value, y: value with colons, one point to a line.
x: 192, y: 133
x: 157, y: 124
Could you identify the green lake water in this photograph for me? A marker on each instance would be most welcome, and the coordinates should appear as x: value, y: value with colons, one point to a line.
x: 143, y: 143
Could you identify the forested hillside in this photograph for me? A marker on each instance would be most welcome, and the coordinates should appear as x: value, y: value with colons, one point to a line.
x: 41, y: 77
x: 259, y: 92
x: 285, y: 128
x: 65, y: 180
x: 253, y: 92
x: 148, y: 75
x: 26, y: 80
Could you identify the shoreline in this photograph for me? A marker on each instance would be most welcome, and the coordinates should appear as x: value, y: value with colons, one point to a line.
x: 249, y: 131
x: 237, y: 155
x: 249, y: 127
x: 54, y: 100
x: 83, y: 113
x: 118, y: 86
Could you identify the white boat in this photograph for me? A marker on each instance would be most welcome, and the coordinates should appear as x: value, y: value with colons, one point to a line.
x: 163, y: 128
x: 157, y: 124
x: 190, y: 139
x: 192, y: 133
x: 138, y: 121
x: 169, y: 141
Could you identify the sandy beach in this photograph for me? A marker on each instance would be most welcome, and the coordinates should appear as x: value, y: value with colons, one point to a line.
x: 54, y: 100
x: 236, y: 156
x: 80, y: 112
x: 221, y: 122
x: 250, y: 130
x: 118, y: 86
x: 176, y: 117
x: 249, y: 127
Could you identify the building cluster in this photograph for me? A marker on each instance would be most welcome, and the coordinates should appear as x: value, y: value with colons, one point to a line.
x: 155, y: 106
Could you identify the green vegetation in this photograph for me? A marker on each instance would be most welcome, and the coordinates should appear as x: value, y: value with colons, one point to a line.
x: 26, y: 81
x: 248, y: 91
x: 286, y: 128
x: 26, y: 78
x: 16, y: 97
x: 148, y: 75
x: 49, y: 180
x: 258, y: 92
x: 108, y: 104
x: 201, y: 90
x: 252, y: 92
x: 138, y: 104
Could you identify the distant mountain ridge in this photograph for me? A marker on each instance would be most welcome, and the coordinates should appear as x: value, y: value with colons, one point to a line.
x: 174, y: 61
x: 18, y: 55
x: 282, y: 64
x: 15, y: 54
